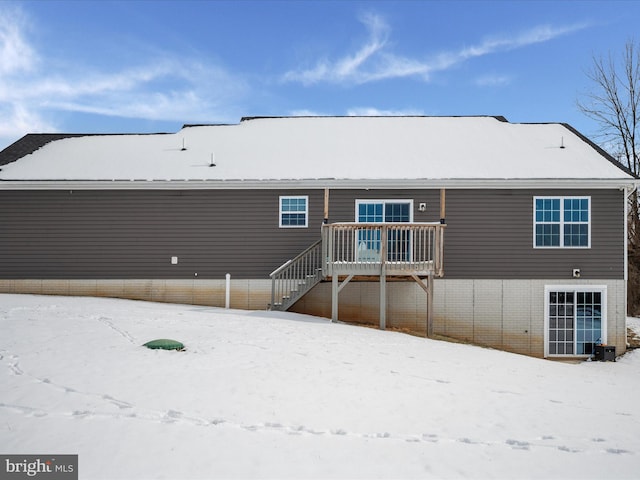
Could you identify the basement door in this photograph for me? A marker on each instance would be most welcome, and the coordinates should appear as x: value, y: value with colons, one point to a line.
x: 575, y: 320
x: 387, y: 211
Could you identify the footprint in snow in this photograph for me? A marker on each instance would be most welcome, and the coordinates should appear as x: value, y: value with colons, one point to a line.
x: 467, y: 440
x: 312, y: 431
x: 518, y: 445
x: 171, y: 416
x: 29, y: 411
x: 617, y: 451
x: 275, y: 425
x: 505, y: 392
x: 81, y: 413
x: 562, y: 448
x: 15, y: 369
x: 118, y: 403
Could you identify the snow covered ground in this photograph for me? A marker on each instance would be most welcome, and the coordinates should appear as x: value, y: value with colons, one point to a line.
x: 281, y: 395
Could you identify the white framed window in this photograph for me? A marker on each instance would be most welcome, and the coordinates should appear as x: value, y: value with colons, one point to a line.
x: 562, y: 222
x: 575, y: 319
x: 376, y: 211
x: 294, y: 211
x: 368, y: 242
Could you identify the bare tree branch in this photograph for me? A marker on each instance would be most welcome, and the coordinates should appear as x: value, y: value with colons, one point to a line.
x: 614, y: 103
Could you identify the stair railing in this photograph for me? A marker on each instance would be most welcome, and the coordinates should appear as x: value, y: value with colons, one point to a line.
x: 296, y: 277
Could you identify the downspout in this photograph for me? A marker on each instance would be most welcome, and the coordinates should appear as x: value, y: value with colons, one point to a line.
x: 628, y: 192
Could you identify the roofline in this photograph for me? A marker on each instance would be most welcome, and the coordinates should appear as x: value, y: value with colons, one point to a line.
x: 267, y: 117
x: 601, y: 151
x: 259, y: 184
x: 31, y: 142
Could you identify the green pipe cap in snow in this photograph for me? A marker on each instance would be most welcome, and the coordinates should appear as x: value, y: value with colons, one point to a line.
x: 165, y: 344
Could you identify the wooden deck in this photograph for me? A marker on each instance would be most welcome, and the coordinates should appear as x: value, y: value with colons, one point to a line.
x: 363, y: 250
x: 383, y: 248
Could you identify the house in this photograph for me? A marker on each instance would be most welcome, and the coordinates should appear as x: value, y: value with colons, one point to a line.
x: 506, y: 235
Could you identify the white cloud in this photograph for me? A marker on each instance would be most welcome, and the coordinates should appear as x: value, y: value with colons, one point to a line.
x: 350, y: 66
x: 144, y: 92
x: 16, y: 54
x: 360, y: 112
x: 375, y: 61
x: 375, y: 112
x: 18, y: 120
x: 308, y: 113
x: 168, y: 87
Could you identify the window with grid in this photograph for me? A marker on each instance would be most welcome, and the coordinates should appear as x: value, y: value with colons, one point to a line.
x: 576, y: 320
x: 388, y: 211
x: 294, y: 211
x: 562, y: 222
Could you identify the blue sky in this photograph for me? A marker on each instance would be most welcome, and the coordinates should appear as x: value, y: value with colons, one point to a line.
x: 152, y: 66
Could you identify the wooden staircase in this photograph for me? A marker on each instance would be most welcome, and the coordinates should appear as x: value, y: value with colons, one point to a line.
x: 296, y: 277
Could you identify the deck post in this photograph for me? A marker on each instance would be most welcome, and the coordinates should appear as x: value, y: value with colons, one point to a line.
x: 326, y: 206
x: 334, y: 297
x: 383, y: 278
x: 430, y: 306
x: 383, y: 299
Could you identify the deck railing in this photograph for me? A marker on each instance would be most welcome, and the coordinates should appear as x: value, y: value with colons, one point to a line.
x: 393, y: 248
x: 297, y: 276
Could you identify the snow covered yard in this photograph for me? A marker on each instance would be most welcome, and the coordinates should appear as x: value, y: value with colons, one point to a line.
x: 281, y: 395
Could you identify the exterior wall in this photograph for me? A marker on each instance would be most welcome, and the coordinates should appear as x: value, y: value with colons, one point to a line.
x: 490, y: 235
x: 133, y: 234
x: 502, y: 314
x: 490, y: 232
x: 130, y: 234
x: 119, y: 244
x: 244, y: 294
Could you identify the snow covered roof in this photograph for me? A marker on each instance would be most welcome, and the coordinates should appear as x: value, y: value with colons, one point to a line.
x: 351, y: 150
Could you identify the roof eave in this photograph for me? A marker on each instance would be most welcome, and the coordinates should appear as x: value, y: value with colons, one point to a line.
x: 262, y: 184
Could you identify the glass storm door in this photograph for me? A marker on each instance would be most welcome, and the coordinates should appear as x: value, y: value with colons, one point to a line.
x: 575, y: 322
x: 369, y: 241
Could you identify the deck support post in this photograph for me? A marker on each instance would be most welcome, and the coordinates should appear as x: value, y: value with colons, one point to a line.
x: 383, y: 299
x: 383, y: 277
x: 336, y: 288
x: 428, y: 288
x: 334, y: 298
x: 430, y: 307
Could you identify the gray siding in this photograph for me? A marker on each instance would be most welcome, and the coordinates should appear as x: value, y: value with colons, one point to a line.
x: 490, y: 232
x: 133, y: 234
x: 490, y: 235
